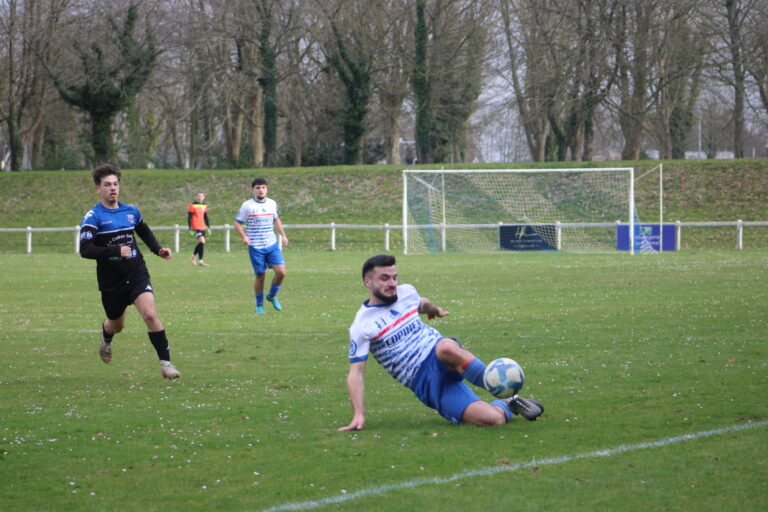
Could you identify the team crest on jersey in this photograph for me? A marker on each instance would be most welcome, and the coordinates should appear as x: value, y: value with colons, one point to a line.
x: 131, y: 218
x: 352, y: 348
x: 394, y: 313
x: 86, y: 235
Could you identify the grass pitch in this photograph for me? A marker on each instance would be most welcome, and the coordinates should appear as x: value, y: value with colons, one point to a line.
x: 621, y: 350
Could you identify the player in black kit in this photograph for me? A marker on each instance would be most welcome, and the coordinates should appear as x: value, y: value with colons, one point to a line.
x: 107, y: 236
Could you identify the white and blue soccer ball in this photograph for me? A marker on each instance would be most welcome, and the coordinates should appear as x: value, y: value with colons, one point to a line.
x: 503, y: 377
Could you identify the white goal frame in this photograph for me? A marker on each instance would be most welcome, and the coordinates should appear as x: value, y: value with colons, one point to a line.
x: 442, y: 226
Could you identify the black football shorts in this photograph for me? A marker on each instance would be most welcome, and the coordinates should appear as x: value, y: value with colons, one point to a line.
x: 116, y: 301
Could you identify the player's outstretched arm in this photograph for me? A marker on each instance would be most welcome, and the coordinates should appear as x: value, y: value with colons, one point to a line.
x: 356, y: 386
x: 427, y: 307
x: 165, y: 253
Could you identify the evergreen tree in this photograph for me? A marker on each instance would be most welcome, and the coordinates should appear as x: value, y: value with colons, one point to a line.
x: 354, y: 72
x: 268, y: 82
x: 109, y: 86
x: 421, y: 88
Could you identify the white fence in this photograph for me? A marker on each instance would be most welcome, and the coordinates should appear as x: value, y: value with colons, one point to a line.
x: 739, y: 226
x: 227, y: 228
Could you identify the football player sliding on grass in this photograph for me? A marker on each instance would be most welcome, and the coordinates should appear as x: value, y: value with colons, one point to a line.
x: 388, y: 326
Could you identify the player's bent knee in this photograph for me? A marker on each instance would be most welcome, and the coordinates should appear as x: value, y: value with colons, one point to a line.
x: 150, y: 317
x: 449, y: 352
x: 446, y: 347
x: 115, y: 326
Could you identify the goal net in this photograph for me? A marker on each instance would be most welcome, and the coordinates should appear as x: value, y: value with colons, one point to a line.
x: 489, y: 210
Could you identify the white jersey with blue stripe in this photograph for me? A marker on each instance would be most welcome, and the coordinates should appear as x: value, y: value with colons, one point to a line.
x: 394, y: 334
x: 259, y: 220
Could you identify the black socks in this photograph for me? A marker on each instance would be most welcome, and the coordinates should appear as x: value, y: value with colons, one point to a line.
x: 160, y: 342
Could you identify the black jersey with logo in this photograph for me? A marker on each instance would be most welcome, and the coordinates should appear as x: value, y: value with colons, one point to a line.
x: 102, y: 232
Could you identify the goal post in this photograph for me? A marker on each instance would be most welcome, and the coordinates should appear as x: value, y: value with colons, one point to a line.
x: 518, y: 209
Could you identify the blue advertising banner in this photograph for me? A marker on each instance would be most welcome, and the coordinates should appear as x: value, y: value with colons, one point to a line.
x: 648, y: 231
x: 522, y: 237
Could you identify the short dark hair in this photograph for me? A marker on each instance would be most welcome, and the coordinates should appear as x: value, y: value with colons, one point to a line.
x: 380, y: 260
x: 104, y: 170
x: 258, y: 181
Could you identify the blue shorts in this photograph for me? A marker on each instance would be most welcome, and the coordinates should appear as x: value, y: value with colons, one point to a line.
x: 262, y: 259
x: 442, y: 389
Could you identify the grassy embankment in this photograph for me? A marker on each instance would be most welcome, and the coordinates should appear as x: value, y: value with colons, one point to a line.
x: 693, y: 191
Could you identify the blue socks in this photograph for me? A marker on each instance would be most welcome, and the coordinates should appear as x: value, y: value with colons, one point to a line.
x: 504, y: 407
x: 473, y: 372
x: 260, y: 296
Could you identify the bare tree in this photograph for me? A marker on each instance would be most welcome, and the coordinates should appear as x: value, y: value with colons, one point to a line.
x: 535, y: 71
x: 757, y: 65
x: 681, y: 64
x: 594, y: 73
x: 449, y: 59
x: 640, y: 33
x: 728, y: 20
x: 30, y: 30
x: 392, y: 64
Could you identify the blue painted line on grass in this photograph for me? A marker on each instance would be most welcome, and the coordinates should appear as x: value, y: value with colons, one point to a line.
x: 492, y: 470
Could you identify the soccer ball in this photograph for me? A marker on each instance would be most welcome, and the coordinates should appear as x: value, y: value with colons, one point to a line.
x: 503, y: 377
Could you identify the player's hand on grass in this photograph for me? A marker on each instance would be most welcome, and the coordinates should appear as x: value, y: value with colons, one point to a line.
x: 165, y: 253
x: 356, y: 424
x: 438, y: 312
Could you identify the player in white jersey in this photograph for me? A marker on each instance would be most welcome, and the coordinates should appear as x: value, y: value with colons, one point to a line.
x: 388, y: 326
x: 260, y: 218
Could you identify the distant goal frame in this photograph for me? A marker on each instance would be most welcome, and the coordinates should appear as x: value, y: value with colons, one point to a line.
x: 443, y: 226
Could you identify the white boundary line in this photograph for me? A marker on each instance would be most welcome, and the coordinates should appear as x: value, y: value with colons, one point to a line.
x: 492, y: 470
x: 175, y: 331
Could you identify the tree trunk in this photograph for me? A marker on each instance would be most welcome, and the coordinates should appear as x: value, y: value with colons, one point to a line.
x: 38, y: 138
x: 174, y: 136
x: 101, y: 138
x: 257, y: 128
x: 589, y: 137
x: 268, y: 94
x: 739, y: 78
x: 392, y: 138
x: 234, y: 134
x: 14, y: 139
x: 421, y: 88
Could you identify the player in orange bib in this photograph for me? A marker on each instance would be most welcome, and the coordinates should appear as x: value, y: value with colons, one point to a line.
x: 197, y: 220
